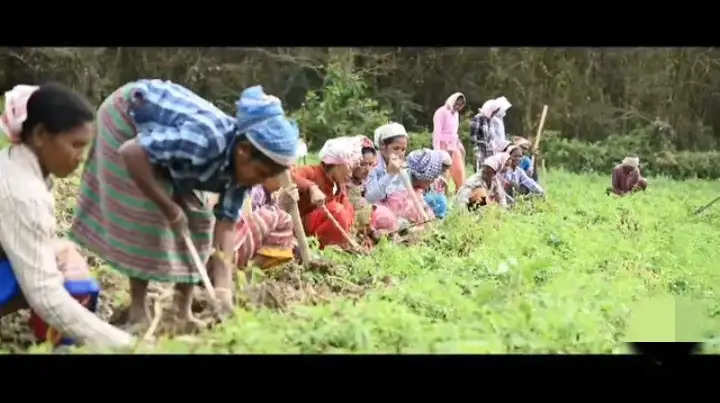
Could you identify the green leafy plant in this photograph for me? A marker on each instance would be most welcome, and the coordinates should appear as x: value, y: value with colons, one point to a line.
x: 341, y: 108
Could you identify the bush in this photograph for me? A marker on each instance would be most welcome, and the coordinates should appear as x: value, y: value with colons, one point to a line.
x: 341, y: 108
x: 417, y: 140
x: 657, y: 157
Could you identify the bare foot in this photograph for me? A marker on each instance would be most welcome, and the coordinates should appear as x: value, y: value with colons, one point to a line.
x: 188, y: 323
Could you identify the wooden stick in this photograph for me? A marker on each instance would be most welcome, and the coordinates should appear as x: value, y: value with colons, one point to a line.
x: 297, y: 221
x: 540, y: 128
x: 706, y: 206
x: 199, y: 266
x: 537, y: 140
x: 340, y: 228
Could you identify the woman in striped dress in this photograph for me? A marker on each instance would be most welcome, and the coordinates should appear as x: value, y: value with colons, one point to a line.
x: 159, y: 148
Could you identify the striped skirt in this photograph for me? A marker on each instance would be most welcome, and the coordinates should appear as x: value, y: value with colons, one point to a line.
x: 115, y: 220
x: 267, y: 232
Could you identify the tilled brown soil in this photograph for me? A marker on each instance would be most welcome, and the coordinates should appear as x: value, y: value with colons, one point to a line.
x: 276, y: 288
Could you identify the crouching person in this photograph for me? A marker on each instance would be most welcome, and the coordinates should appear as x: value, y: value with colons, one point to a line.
x: 424, y: 167
x: 323, y: 190
x: 626, y: 177
x: 265, y: 235
x: 515, y: 180
x: 49, y: 128
x: 485, y: 187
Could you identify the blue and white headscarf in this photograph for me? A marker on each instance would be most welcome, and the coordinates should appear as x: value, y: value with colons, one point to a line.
x: 262, y: 119
x: 427, y: 164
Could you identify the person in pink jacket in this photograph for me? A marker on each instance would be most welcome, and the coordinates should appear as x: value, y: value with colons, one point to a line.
x: 445, y: 135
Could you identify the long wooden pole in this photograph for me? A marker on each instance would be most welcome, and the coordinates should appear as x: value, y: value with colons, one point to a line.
x: 706, y: 206
x: 540, y: 128
x: 298, y: 224
x: 340, y: 228
x: 537, y: 141
x: 199, y: 265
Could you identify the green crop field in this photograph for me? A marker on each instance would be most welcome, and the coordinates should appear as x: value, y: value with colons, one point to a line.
x: 555, y: 276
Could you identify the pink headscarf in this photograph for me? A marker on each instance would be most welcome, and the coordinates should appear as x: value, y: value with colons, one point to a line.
x: 383, y: 219
x: 497, y: 162
x: 15, y: 113
x: 344, y: 150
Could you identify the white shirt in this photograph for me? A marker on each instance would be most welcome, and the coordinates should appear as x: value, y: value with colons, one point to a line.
x: 27, y: 236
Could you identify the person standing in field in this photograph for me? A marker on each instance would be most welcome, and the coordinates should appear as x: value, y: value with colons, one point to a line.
x: 160, y: 148
x: 480, y: 137
x: 392, y: 141
x: 446, y: 122
x: 49, y: 128
x: 323, y: 189
x: 626, y: 177
x: 494, y: 111
x: 485, y: 187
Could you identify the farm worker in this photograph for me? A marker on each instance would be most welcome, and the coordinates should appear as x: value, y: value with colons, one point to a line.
x: 266, y: 235
x: 514, y: 178
x: 424, y: 167
x: 160, y: 148
x: 626, y: 177
x: 485, y: 187
x: 325, y: 184
x: 49, y: 128
x: 357, y: 188
x: 445, y: 135
x: 480, y: 136
x: 494, y: 110
x: 392, y: 141
x: 361, y: 173
x: 526, y: 163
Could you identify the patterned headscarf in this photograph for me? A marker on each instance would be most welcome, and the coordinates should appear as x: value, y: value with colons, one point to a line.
x: 427, y: 164
x: 262, y: 119
x: 15, y: 113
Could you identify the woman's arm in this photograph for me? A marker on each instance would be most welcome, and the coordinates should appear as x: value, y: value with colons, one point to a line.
x: 438, y: 130
x: 141, y: 171
x: 27, y: 235
x: 376, y: 189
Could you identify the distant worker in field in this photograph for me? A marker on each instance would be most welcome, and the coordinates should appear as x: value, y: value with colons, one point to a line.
x: 527, y: 161
x: 392, y: 141
x: 49, y: 128
x: 495, y: 110
x: 515, y: 180
x: 323, y: 189
x: 446, y: 122
x: 626, y: 177
x: 424, y: 167
x: 357, y: 188
x: 361, y: 174
x: 160, y: 148
x: 485, y: 188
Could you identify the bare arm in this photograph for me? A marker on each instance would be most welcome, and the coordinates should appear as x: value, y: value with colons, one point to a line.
x: 28, y: 235
x: 141, y: 171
